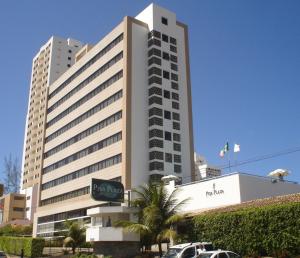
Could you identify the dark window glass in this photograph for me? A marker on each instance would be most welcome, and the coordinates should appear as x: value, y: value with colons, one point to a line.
x: 156, y: 166
x: 175, y: 96
x: 166, y: 75
x: 222, y: 255
x: 176, y: 146
x: 153, y: 33
x: 176, y: 126
x: 177, y: 158
x: 155, y: 42
x: 156, y: 143
x: 173, y: 58
x: 155, y: 112
x: 156, y: 133
x: 155, y: 71
x: 155, y: 90
x: 168, y: 157
x: 176, y: 116
x: 166, y: 56
x: 164, y: 20
x: 175, y: 105
x: 166, y: 94
x: 155, y: 121
x: 155, y: 79
x: 155, y: 52
x: 70, y: 51
x: 173, y: 49
x: 167, y: 114
x: 69, y: 58
x: 154, y: 60
x: 168, y: 136
x: 176, y: 137
x: 165, y: 38
x: 174, y: 77
x: 155, y: 100
x: 174, y: 67
x: 173, y: 41
x: 156, y: 155
x: 177, y: 169
x: 174, y: 85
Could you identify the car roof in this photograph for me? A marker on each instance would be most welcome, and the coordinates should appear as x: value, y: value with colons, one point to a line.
x: 182, y: 245
x: 216, y: 251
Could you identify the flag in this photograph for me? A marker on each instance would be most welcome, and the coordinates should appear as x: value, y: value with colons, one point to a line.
x: 224, y: 150
x: 236, y: 148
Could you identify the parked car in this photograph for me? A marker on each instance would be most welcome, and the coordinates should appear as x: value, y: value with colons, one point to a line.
x: 188, y: 250
x: 218, y: 254
x: 2, y: 254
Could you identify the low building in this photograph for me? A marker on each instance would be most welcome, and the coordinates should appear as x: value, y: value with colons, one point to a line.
x: 12, y: 207
x: 230, y: 189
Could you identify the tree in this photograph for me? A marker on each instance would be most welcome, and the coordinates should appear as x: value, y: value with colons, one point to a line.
x: 157, y: 216
x: 12, y: 174
x: 75, y: 236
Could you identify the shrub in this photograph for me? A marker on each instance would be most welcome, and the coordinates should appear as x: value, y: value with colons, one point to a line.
x: 33, y: 247
x: 270, y: 230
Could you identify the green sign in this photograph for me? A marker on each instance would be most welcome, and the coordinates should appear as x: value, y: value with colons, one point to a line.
x: 107, y: 190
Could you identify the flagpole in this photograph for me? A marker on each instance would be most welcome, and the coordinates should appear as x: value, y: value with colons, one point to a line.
x: 229, y: 162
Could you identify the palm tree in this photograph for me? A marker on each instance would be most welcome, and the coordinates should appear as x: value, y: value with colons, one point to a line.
x: 157, y: 214
x: 75, y: 236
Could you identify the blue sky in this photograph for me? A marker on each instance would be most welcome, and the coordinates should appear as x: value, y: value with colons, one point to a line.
x: 245, y: 68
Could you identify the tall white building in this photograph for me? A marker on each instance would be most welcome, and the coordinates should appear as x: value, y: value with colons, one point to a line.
x: 52, y: 60
x: 122, y: 112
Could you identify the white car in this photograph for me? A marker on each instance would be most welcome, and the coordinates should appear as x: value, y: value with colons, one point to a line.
x: 218, y: 254
x: 189, y: 250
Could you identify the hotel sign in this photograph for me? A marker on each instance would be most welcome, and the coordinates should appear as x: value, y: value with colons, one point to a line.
x: 107, y: 190
x: 214, y: 191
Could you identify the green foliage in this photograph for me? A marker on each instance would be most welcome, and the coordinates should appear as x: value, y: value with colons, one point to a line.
x: 10, y: 230
x: 272, y: 230
x: 83, y: 255
x: 157, y: 214
x: 33, y: 247
x: 75, y: 236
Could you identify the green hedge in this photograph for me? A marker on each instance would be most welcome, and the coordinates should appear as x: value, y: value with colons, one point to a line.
x: 33, y: 247
x: 270, y: 230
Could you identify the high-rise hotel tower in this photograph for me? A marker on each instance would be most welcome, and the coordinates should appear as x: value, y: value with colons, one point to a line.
x: 121, y: 112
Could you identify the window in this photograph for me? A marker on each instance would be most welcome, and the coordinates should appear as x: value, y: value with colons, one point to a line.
x: 174, y: 67
x: 189, y: 252
x: 155, y: 121
x: 155, y: 42
x: 173, y: 49
x: 174, y: 85
x: 153, y: 33
x: 155, y: 71
x: 155, y: 52
x: 173, y: 58
x: 176, y: 146
x: 166, y: 56
x: 164, y: 20
x: 69, y: 58
x: 155, y: 90
x: 19, y: 198
x: 154, y: 60
x: 155, y: 79
x: 156, y: 166
x: 156, y: 155
x: 176, y: 116
x: 176, y: 126
x: 165, y: 38
x: 28, y: 198
x: 70, y: 51
x: 156, y: 133
x: 175, y: 96
x: 68, y: 65
x: 175, y: 105
x: 155, y: 111
x: 168, y: 136
x: 177, y: 158
x: 174, y: 77
x: 167, y: 114
x: 156, y: 143
x: 173, y: 41
x: 166, y: 75
x: 177, y: 169
x: 168, y: 157
x: 166, y: 94
x: 18, y: 209
x: 222, y: 255
x: 155, y: 100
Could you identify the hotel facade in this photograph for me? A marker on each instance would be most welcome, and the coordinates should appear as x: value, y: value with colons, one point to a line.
x: 122, y: 111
